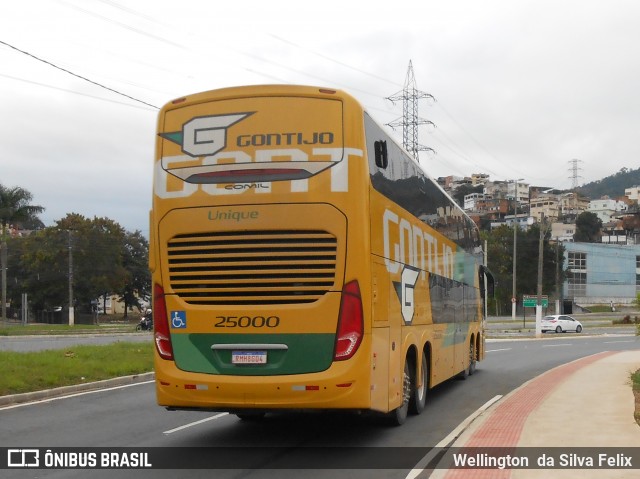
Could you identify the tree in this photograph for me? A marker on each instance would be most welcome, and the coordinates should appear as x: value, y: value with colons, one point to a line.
x: 500, y: 262
x: 588, y: 227
x: 136, y: 263
x: 106, y: 260
x: 97, y: 256
x: 41, y: 269
x: 631, y: 222
x: 15, y: 208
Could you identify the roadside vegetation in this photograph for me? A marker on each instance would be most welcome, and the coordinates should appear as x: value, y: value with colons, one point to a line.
x: 35, y: 371
x: 635, y: 383
x: 64, y: 329
x: 106, y: 261
x: 105, y: 324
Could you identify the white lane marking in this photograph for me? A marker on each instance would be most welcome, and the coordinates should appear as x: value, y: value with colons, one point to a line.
x: 614, y: 342
x: 180, y: 428
x: 556, y: 345
x: 494, y: 350
x: 464, y: 424
x: 452, y: 436
x: 68, y: 396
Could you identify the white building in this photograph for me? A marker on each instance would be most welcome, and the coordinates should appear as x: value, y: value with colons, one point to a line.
x: 632, y: 193
x: 606, y: 208
x: 471, y: 200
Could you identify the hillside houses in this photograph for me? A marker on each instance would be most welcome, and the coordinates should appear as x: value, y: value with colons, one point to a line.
x: 602, y: 272
x: 503, y: 202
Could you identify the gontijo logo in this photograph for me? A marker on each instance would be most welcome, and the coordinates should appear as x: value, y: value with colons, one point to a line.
x: 405, y: 291
x: 205, y: 135
x: 217, y: 165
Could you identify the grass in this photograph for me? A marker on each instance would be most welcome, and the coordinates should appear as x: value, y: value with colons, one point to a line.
x: 34, y: 371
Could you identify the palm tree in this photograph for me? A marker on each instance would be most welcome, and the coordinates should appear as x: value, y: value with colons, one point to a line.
x: 14, y: 208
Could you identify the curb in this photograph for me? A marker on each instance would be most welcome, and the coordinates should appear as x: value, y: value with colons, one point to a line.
x: 13, y: 399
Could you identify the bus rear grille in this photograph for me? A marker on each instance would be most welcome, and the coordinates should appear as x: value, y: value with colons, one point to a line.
x: 252, y: 267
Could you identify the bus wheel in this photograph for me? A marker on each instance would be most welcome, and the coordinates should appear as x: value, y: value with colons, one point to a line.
x: 398, y: 416
x: 472, y: 358
x: 419, y: 394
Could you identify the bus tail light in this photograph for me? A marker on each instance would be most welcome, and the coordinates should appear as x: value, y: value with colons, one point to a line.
x: 350, y: 322
x: 161, y: 332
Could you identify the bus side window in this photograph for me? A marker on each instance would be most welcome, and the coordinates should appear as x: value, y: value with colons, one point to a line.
x: 380, y: 149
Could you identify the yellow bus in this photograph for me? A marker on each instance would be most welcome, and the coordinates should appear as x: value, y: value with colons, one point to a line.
x: 301, y: 259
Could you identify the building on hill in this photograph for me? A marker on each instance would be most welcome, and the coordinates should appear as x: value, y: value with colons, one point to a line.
x: 606, y: 208
x: 572, y: 204
x: 632, y: 193
x: 562, y: 232
x: 471, y: 201
x: 479, y: 179
x: 546, y: 205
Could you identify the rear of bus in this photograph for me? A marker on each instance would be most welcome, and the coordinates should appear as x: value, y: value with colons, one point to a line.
x: 258, y: 251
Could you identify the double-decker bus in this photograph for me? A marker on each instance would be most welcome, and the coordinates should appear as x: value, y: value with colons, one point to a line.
x: 301, y: 259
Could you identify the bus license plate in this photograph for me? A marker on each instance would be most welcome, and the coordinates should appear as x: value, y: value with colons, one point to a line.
x: 248, y: 357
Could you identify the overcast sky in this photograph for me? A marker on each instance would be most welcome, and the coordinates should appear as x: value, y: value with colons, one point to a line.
x: 521, y: 87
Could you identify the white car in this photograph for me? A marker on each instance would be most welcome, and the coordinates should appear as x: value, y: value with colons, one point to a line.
x: 560, y: 323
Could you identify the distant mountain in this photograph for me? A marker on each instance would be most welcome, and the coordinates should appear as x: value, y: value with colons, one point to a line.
x: 612, y: 186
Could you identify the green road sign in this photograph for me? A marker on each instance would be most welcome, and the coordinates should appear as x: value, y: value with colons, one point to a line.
x: 531, y: 301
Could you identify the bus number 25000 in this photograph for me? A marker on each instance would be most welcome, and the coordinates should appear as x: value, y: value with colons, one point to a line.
x: 247, y: 322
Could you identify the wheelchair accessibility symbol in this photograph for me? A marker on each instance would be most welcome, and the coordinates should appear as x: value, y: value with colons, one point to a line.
x: 178, y: 319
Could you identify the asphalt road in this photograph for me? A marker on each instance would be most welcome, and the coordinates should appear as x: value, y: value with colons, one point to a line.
x: 129, y: 417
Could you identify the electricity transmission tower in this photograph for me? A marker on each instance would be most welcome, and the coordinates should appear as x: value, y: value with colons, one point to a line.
x: 574, y: 173
x: 410, y: 120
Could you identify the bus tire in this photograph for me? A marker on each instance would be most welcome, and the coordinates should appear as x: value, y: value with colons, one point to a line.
x: 472, y: 358
x: 398, y: 416
x: 419, y: 394
x: 471, y: 368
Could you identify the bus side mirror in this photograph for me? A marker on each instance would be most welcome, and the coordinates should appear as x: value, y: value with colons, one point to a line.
x: 380, y: 151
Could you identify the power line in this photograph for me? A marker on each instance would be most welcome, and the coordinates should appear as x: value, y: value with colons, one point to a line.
x: 76, y: 75
x: 74, y: 92
x: 338, y: 62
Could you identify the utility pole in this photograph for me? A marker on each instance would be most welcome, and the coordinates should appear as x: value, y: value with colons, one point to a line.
x: 71, y: 309
x: 540, y: 263
x: 514, y: 297
x: 3, y: 266
x: 558, y: 285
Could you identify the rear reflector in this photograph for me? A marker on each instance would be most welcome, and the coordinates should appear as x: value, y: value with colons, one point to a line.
x: 350, y: 322
x: 161, y: 332
x: 305, y: 388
